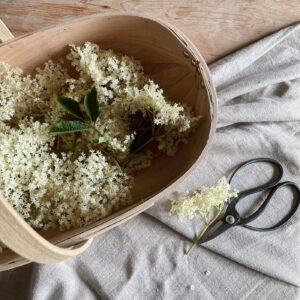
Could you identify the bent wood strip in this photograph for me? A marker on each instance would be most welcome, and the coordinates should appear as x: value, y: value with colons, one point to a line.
x: 17, y: 235
x: 16, y: 261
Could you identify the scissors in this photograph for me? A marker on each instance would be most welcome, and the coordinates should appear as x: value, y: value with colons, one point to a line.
x: 230, y: 216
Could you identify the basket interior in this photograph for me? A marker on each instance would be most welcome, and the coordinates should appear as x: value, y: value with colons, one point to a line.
x: 162, y: 56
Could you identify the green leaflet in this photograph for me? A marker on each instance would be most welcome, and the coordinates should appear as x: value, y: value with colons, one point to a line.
x: 91, y: 105
x: 68, y: 127
x: 70, y: 106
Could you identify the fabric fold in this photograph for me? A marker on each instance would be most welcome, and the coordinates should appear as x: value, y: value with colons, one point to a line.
x: 259, y: 116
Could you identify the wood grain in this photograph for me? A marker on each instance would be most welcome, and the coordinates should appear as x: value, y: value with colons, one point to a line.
x: 217, y: 27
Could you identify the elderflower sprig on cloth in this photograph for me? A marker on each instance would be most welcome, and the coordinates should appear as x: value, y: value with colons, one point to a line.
x: 203, y: 202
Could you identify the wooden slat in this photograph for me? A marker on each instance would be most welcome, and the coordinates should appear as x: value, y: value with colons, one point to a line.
x: 217, y: 27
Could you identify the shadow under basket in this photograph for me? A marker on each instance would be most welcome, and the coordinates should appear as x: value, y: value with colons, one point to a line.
x: 173, y: 62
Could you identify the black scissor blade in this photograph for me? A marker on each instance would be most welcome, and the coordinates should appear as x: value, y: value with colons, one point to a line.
x: 214, y: 230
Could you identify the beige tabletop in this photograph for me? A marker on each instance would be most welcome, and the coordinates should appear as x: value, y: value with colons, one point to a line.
x: 217, y: 27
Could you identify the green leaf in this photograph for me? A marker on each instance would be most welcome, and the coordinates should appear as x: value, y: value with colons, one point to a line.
x: 100, y: 139
x: 141, y: 139
x: 91, y: 104
x: 70, y: 106
x: 68, y: 127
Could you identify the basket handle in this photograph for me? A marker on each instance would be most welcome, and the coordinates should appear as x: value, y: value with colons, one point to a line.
x: 17, y: 235
x: 5, y: 34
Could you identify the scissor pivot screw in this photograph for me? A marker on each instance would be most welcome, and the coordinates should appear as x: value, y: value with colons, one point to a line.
x: 230, y: 219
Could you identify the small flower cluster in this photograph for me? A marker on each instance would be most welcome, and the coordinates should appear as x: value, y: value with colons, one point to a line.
x: 202, y: 201
x: 74, y: 188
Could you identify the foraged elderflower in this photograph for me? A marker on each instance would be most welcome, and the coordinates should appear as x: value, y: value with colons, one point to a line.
x: 202, y: 201
x: 74, y: 176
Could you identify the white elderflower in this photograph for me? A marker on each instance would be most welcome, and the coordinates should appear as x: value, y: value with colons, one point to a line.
x: 202, y: 201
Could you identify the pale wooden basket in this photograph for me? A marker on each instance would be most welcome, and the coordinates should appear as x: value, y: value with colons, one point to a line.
x: 172, y: 61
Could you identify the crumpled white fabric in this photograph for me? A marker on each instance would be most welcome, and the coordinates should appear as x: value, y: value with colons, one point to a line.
x: 259, y: 115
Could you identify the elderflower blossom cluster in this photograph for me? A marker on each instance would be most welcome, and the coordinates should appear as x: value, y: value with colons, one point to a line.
x: 202, y: 201
x: 78, y: 187
x: 123, y: 90
x: 50, y: 191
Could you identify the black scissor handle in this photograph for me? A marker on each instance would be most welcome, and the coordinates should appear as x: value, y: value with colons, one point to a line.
x: 264, y: 186
x: 257, y: 213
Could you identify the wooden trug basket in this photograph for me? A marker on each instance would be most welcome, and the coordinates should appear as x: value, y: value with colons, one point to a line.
x: 172, y: 61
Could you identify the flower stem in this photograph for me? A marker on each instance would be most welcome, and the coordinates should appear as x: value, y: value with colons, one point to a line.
x: 146, y: 143
x: 117, y: 164
x: 203, y: 231
x: 197, y: 239
x: 114, y: 160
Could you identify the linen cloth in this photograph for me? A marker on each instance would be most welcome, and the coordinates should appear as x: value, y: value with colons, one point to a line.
x: 259, y: 116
